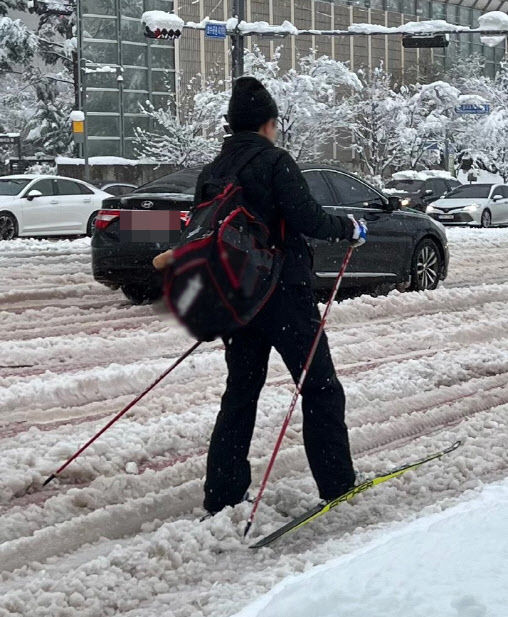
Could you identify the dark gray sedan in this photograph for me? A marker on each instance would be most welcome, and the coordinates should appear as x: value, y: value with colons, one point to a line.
x: 405, y: 249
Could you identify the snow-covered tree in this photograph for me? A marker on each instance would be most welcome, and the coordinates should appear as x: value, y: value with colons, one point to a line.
x: 178, y: 135
x: 376, y: 116
x: 427, y: 116
x: 482, y: 140
x: 11, y: 5
x: 49, y: 127
x: 308, y: 98
x: 52, y: 41
x: 491, y: 141
x: 17, y: 106
x: 18, y: 43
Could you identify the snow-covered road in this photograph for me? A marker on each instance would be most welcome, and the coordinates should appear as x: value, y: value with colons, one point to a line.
x: 419, y: 370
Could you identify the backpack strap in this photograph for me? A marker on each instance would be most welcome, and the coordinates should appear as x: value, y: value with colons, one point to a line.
x: 244, y: 160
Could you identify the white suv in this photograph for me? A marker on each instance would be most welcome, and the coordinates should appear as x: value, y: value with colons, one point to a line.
x: 39, y: 205
x: 472, y: 204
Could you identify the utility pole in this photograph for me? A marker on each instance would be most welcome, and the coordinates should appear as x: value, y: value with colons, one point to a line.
x: 82, y: 89
x: 237, y: 41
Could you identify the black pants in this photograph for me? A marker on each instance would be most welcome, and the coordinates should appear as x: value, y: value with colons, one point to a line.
x: 288, y: 322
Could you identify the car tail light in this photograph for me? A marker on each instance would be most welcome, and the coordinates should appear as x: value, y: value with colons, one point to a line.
x: 105, y: 218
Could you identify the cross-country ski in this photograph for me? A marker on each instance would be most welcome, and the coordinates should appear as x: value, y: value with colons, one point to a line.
x: 323, y: 508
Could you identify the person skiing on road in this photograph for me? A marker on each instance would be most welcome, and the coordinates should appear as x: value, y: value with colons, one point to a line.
x: 277, y: 191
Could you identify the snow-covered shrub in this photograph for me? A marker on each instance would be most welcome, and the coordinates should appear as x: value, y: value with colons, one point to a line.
x: 41, y: 168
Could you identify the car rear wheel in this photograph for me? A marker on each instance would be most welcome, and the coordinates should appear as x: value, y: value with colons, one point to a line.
x: 8, y: 226
x: 139, y: 293
x: 486, y: 219
x: 90, y: 226
x: 426, y: 266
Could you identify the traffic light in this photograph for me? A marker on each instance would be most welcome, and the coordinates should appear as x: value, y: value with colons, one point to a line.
x: 412, y: 41
x: 162, y: 33
x: 161, y: 25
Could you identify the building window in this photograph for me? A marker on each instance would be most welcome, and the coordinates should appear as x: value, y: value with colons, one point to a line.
x: 408, y: 7
x: 424, y: 9
x: 438, y: 10
x: 112, y: 34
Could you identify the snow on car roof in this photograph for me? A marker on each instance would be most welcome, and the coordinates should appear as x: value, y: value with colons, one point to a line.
x: 20, y: 177
x: 425, y: 174
x: 41, y: 176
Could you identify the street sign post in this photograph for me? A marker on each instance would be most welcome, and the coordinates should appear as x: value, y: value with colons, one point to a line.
x: 215, y: 31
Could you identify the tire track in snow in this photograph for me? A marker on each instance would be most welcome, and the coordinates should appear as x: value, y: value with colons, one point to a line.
x: 366, y: 439
x: 117, y: 520
x: 181, y: 556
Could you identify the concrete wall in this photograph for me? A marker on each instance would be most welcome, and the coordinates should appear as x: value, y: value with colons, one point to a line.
x: 134, y: 174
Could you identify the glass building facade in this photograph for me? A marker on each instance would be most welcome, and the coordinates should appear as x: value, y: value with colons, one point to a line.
x: 112, y: 34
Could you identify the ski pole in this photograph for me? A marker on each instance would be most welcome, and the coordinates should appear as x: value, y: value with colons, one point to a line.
x: 298, y: 389
x: 122, y: 412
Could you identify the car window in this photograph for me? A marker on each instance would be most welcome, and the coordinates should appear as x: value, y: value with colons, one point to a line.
x: 469, y: 191
x: 405, y: 186
x: 183, y: 181
x: 67, y: 187
x: 84, y: 189
x: 119, y: 189
x: 500, y: 190
x: 438, y: 186
x: 318, y: 188
x: 431, y: 185
x: 46, y: 187
x: 352, y: 192
x: 12, y: 186
x: 452, y: 184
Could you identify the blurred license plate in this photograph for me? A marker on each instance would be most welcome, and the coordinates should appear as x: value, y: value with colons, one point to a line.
x: 446, y: 217
x: 154, y: 226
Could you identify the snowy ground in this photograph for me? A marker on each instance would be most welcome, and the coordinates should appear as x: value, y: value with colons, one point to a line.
x: 420, y: 370
x: 452, y: 564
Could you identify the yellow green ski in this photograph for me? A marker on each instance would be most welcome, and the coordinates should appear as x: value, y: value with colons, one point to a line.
x: 325, y: 507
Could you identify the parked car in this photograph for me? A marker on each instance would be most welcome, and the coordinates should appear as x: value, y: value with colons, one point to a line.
x: 41, y: 205
x: 405, y: 249
x: 480, y: 205
x: 474, y: 205
x: 117, y: 188
x: 419, y: 191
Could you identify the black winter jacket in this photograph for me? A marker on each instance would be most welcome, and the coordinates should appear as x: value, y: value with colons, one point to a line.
x: 276, y: 189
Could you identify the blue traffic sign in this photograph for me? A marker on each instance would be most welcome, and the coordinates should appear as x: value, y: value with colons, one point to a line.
x: 215, y: 31
x: 481, y: 109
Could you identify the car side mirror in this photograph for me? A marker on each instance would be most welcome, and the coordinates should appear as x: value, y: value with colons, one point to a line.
x: 497, y: 197
x: 394, y: 203
x: 33, y: 194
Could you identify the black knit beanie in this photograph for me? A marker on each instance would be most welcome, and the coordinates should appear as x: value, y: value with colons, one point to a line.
x: 250, y: 105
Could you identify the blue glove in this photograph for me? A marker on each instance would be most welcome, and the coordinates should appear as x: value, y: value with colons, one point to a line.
x: 359, y: 231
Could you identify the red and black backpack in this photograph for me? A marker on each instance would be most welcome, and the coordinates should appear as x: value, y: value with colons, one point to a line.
x: 226, y: 264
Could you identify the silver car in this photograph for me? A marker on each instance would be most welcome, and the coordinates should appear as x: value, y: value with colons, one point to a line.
x: 474, y: 205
